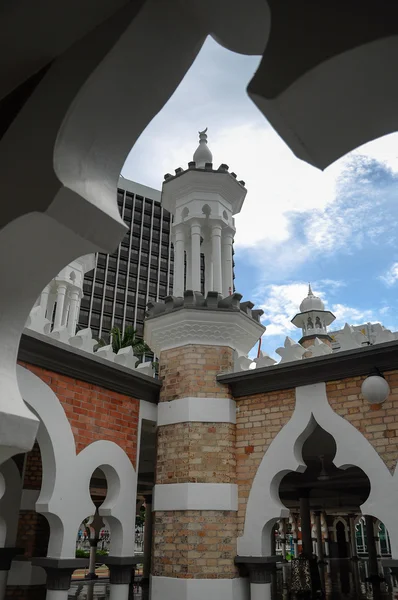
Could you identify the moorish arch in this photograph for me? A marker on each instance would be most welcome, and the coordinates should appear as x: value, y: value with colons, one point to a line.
x: 65, y: 496
x: 57, y: 103
x: 335, y: 92
x: 284, y: 455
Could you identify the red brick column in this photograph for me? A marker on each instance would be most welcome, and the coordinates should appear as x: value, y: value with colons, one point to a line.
x: 195, y: 544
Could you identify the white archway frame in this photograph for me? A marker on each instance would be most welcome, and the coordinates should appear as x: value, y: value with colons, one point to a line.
x: 284, y: 455
x: 340, y: 519
x: 65, y: 494
x: 10, y: 499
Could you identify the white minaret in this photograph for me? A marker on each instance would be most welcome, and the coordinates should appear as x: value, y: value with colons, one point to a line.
x: 313, y: 319
x: 203, y: 201
x: 56, y: 311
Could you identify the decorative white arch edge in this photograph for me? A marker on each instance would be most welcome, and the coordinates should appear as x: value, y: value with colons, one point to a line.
x: 65, y: 497
x: 333, y: 528
x: 284, y: 455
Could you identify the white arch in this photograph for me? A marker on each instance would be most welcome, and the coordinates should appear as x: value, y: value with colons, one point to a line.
x: 10, y: 499
x: 340, y: 519
x: 65, y: 497
x: 284, y: 455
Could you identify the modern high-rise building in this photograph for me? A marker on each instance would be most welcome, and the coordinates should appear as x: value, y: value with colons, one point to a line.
x: 118, y: 289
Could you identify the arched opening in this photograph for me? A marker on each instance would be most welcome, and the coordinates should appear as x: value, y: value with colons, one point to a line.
x: 206, y: 210
x: 92, y: 541
x: 341, y: 540
x: 325, y: 501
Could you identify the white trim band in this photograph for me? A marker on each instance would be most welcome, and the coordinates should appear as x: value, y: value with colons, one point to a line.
x: 195, y: 496
x: 173, y: 588
x: 199, y: 410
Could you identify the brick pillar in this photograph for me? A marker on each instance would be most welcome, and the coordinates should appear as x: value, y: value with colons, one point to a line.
x: 195, y: 543
x: 25, y: 581
x: 195, y: 495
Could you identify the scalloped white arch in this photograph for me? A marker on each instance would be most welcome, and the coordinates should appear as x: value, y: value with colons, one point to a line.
x: 10, y: 495
x: 65, y: 497
x: 340, y: 519
x: 284, y: 454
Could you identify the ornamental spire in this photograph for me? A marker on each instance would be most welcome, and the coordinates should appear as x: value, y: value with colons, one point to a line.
x: 202, y: 153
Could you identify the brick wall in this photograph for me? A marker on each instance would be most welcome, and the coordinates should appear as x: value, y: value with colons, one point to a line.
x: 192, y: 543
x: 378, y: 423
x: 33, y: 529
x: 258, y: 420
x: 94, y: 412
x: 192, y: 371
x: 197, y: 453
x: 195, y: 544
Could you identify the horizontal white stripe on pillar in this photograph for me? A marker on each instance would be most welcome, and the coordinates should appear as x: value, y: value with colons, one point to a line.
x: 173, y: 588
x: 199, y: 410
x: 195, y: 496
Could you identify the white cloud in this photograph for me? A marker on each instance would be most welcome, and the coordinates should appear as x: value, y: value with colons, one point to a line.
x: 292, y: 211
x: 390, y: 277
x: 351, y: 315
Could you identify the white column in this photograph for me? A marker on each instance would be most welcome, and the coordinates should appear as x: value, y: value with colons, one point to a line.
x: 188, y: 274
x: 216, y: 257
x: 179, y: 243
x: 227, y: 270
x: 208, y: 269
x: 319, y: 542
x: 195, y: 256
x: 59, y: 311
x: 92, y: 557
x: 260, y: 591
x: 119, y: 591
x: 57, y: 595
x: 353, y: 541
x: 64, y: 321
x: 73, y: 311
x: 44, y: 300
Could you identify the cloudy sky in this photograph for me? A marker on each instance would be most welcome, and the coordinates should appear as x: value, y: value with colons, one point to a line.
x: 336, y: 229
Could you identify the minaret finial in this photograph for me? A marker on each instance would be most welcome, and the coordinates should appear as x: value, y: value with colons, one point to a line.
x: 310, y: 292
x: 202, y: 154
x: 203, y: 135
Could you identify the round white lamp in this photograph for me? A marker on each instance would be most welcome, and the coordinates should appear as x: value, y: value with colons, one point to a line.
x: 375, y: 389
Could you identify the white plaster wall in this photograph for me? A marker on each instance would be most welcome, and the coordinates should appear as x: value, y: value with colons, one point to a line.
x: 330, y: 109
x: 10, y: 498
x: 199, y: 410
x: 195, y: 496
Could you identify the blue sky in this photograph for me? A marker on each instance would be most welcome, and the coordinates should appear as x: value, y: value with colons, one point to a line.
x: 336, y: 229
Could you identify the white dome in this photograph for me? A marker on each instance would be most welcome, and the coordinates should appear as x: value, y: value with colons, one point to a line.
x: 202, y: 153
x: 311, y: 302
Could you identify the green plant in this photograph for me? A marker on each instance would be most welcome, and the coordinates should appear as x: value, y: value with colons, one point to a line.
x: 140, y: 517
x: 126, y: 339
x: 80, y: 553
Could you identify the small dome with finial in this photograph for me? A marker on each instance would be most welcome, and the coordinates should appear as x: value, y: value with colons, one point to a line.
x: 202, y: 153
x: 311, y: 302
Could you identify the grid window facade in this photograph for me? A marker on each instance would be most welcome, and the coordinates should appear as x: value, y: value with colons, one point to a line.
x: 118, y: 289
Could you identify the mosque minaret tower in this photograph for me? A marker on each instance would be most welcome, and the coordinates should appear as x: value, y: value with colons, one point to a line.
x: 313, y: 320
x: 203, y: 201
